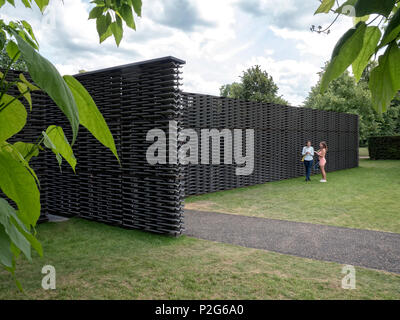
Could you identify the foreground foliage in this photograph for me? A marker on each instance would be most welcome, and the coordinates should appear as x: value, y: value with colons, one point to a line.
x: 20, y: 210
x: 375, y: 36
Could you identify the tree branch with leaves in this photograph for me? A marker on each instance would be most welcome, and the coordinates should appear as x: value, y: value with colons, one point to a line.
x: 375, y: 36
x: 18, y: 181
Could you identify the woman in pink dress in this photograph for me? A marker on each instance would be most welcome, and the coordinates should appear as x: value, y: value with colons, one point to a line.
x: 323, y: 149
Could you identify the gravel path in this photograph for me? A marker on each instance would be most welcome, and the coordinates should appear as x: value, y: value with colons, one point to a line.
x: 371, y: 249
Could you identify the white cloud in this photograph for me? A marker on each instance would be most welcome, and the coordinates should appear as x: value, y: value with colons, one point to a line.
x: 311, y: 43
x: 218, y: 39
x: 292, y: 14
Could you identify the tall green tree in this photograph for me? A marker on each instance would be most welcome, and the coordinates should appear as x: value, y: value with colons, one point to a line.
x: 344, y: 94
x: 255, y: 85
x: 18, y: 181
x: 374, y: 37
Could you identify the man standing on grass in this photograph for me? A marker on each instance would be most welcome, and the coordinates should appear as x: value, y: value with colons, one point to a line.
x: 308, y: 154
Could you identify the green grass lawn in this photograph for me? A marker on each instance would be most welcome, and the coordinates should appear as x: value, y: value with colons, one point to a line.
x: 366, y: 197
x: 363, y: 152
x: 96, y: 261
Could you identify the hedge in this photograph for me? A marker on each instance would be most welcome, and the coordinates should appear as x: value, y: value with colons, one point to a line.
x: 384, y: 148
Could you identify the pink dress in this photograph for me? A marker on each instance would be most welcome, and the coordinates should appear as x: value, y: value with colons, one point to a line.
x: 322, y: 160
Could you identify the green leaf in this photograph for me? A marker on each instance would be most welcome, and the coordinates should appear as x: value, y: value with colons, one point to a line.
x: 342, y: 41
x: 394, y: 66
x: 59, y: 159
x: 371, y: 39
x: 102, y: 25
x: 12, y: 50
x: 31, y: 238
x: 18, y: 284
x: 366, y: 7
x: 26, y: 3
x: 11, y: 2
x: 384, y: 80
x: 46, y: 76
x: 25, y: 232
x: 19, y: 240
x: 137, y: 6
x: 27, y: 150
x: 29, y: 85
x: 25, y: 36
x: 14, y: 150
x: 3, y: 39
x: 345, y: 52
x: 96, y: 12
x: 28, y: 28
x: 117, y: 30
x: 127, y: 15
x: 325, y: 7
x: 42, y: 4
x: 15, y: 251
x: 6, y: 257
x: 108, y: 19
x: 19, y: 185
x: 90, y: 116
x: 106, y: 35
x: 23, y: 89
x: 392, y: 30
x: 12, y: 118
x: 60, y: 144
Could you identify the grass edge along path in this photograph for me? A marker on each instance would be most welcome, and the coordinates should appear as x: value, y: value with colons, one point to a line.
x: 362, y: 198
x: 96, y: 261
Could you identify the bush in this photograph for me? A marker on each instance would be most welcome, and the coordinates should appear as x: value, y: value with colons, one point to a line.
x: 384, y: 148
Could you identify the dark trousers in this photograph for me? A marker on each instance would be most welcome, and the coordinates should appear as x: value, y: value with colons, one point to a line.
x: 308, y: 165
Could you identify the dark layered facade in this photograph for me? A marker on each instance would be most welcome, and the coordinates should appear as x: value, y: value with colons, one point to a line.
x: 384, y: 148
x: 138, y: 97
x: 280, y: 132
x: 133, y: 99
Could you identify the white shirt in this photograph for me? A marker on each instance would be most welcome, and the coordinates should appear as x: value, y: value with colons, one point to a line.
x: 308, y: 157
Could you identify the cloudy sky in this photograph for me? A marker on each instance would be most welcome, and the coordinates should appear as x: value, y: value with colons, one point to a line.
x: 218, y: 39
